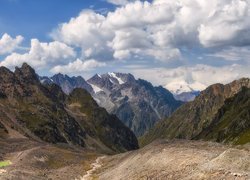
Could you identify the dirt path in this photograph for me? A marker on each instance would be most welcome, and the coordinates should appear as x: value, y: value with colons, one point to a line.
x: 96, y: 165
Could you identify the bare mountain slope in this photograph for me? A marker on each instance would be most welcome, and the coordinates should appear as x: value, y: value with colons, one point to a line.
x: 175, y: 160
x: 193, y: 117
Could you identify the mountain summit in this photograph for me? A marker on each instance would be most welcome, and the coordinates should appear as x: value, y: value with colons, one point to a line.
x: 137, y: 103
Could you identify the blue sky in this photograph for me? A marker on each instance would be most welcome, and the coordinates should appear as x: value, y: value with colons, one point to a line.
x: 36, y: 18
x: 161, y: 40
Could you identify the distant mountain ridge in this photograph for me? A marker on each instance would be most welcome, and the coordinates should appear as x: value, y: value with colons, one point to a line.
x: 184, y: 91
x: 187, y: 96
x: 136, y: 102
x: 192, y: 118
x: 68, y: 84
x: 45, y: 113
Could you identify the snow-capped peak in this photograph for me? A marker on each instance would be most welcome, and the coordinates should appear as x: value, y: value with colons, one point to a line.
x: 178, y: 87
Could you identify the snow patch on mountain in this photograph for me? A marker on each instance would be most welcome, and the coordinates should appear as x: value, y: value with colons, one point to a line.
x: 96, y: 89
x: 120, y: 81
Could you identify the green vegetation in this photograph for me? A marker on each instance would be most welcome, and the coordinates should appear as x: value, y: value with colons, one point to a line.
x: 4, y: 163
x: 243, y: 138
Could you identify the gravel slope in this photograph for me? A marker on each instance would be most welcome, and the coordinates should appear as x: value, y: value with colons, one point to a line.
x: 162, y: 159
x: 178, y: 160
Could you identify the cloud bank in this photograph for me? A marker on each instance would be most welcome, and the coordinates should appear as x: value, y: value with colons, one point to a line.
x: 78, y: 66
x: 158, y: 29
x: 196, y: 33
x: 41, y: 55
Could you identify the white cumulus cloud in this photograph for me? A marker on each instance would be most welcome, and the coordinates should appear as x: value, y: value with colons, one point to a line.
x: 227, y: 25
x: 78, y: 66
x: 158, y: 29
x: 41, y: 55
x: 9, y: 44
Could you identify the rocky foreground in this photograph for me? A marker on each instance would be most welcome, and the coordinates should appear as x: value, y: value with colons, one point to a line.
x: 31, y: 160
x: 178, y: 159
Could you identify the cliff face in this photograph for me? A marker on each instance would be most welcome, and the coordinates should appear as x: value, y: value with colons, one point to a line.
x: 40, y: 112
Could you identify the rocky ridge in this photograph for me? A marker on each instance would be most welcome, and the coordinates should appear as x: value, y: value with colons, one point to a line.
x: 46, y: 114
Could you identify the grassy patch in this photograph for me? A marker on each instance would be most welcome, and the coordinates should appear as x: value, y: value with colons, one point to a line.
x: 243, y: 138
x: 4, y: 163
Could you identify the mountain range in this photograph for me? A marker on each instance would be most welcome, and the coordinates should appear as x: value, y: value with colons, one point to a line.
x: 220, y: 113
x: 49, y: 131
x: 137, y: 103
x: 44, y: 113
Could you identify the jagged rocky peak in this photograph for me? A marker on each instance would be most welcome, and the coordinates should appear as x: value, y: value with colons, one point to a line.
x: 110, y: 81
x: 126, y: 77
x: 5, y: 74
x: 13, y: 83
x: 227, y: 90
x: 136, y: 102
x: 112, y: 78
x: 60, y: 76
x: 104, y: 81
x: 120, y: 78
x: 26, y: 73
x: 69, y: 83
x: 4, y: 70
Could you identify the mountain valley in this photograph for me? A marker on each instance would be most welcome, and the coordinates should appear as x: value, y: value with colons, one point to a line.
x: 50, y: 133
